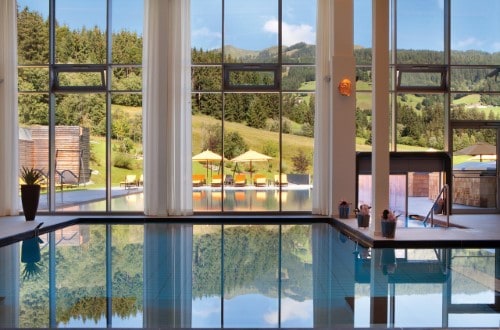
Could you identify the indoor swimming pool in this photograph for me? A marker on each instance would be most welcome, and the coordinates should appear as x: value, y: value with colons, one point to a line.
x: 183, y: 275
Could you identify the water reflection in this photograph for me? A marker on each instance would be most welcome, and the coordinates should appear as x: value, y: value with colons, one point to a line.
x: 248, y: 199
x: 184, y: 275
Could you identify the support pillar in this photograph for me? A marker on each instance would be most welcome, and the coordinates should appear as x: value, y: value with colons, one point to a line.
x: 380, y: 112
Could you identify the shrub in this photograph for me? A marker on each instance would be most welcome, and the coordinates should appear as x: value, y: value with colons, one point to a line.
x: 125, y: 161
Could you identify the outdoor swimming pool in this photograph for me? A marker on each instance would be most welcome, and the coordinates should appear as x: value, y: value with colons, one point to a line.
x: 240, y: 276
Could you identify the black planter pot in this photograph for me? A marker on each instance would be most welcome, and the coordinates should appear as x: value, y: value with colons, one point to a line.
x: 363, y: 220
x: 30, y: 195
x: 388, y: 228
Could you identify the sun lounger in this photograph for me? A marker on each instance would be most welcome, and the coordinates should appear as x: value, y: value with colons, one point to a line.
x: 283, y: 181
x: 198, y: 180
x: 259, y: 180
x: 240, y: 180
x: 216, y: 180
x: 130, y: 181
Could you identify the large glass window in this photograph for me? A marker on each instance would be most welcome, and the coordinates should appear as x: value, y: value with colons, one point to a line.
x: 80, y: 103
x: 253, y: 82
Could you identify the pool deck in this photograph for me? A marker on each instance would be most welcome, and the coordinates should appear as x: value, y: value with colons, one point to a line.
x: 467, y: 231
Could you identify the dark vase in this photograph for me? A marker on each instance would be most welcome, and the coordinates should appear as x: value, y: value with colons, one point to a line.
x: 388, y: 228
x: 363, y: 220
x: 30, y: 195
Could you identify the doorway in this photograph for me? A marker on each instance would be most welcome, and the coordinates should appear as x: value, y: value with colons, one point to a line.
x: 474, y: 173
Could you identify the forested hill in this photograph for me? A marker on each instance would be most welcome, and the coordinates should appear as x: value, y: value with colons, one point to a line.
x: 304, y: 53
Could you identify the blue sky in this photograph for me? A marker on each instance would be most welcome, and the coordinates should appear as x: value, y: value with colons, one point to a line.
x: 253, y: 24
x: 127, y: 14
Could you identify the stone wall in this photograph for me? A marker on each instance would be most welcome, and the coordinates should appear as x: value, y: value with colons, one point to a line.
x: 474, y: 189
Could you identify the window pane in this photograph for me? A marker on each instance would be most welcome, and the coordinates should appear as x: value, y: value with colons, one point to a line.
x: 32, y: 32
x: 420, y: 122
x: 420, y: 31
x: 206, y: 78
x: 209, y: 173
x: 33, y: 79
x: 299, y: 31
x: 126, y: 153
x: 127, y: 33
x: 127, y: 79
x: 294, y: 180
x: 468, y: 79
x: 249, y: 118
x: 363, y: 31
x: 363, y: 121
x: 81, y: 31
x: 475, y: 107
x: 251, y: 30
x: 206, y: 30
x: 296, y: 78
x: 34, y: 139
x: 473, y: 40
x: 80, y: 152
x: 474, y: 183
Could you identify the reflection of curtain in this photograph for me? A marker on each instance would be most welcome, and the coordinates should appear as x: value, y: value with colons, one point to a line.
x: 168, y: 250
x: 167, y: 108
x: 9, y: 196
x: 321, y: 193
x: 9, y: 284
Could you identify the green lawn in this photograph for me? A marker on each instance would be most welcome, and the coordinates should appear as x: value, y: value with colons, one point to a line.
x: 255, y: 139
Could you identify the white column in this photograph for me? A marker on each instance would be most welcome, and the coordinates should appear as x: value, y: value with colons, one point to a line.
x: 343, y: 107
x: 380, y: 111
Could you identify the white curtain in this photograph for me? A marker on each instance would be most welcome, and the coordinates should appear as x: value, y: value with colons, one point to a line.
x: 167, y: 108
x: 9, y: 172
x: 322, y: 180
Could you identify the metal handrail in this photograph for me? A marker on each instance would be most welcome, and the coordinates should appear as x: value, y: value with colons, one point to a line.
x: 446, y: 192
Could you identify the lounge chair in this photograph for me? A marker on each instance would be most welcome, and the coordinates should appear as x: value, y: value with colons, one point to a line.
x: 216, y: 180
x: 130, y: 181
x: 68, y: 179
x: 240, y: 180
x: 198, y: 180
x: 283, y: 181
x: 259, y: 180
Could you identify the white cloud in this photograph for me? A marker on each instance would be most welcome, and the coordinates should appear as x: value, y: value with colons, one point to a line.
x: 204, y: 32
x: 496, y: 46
x: 292, y: 34
x: 468, y: 43
x: 291, y: 310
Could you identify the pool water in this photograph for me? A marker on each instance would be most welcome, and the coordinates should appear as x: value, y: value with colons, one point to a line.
x: 240, y: 276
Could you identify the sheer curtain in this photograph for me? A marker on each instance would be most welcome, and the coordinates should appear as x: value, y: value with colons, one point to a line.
x: 167, y: 108
x: 9, y: 196
x: 322, y: 180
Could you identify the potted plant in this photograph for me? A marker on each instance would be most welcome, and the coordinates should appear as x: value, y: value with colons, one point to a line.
x: 363, y: 215
x: 30, y: 191
x: 344, y: 209
x: 389, y: 220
